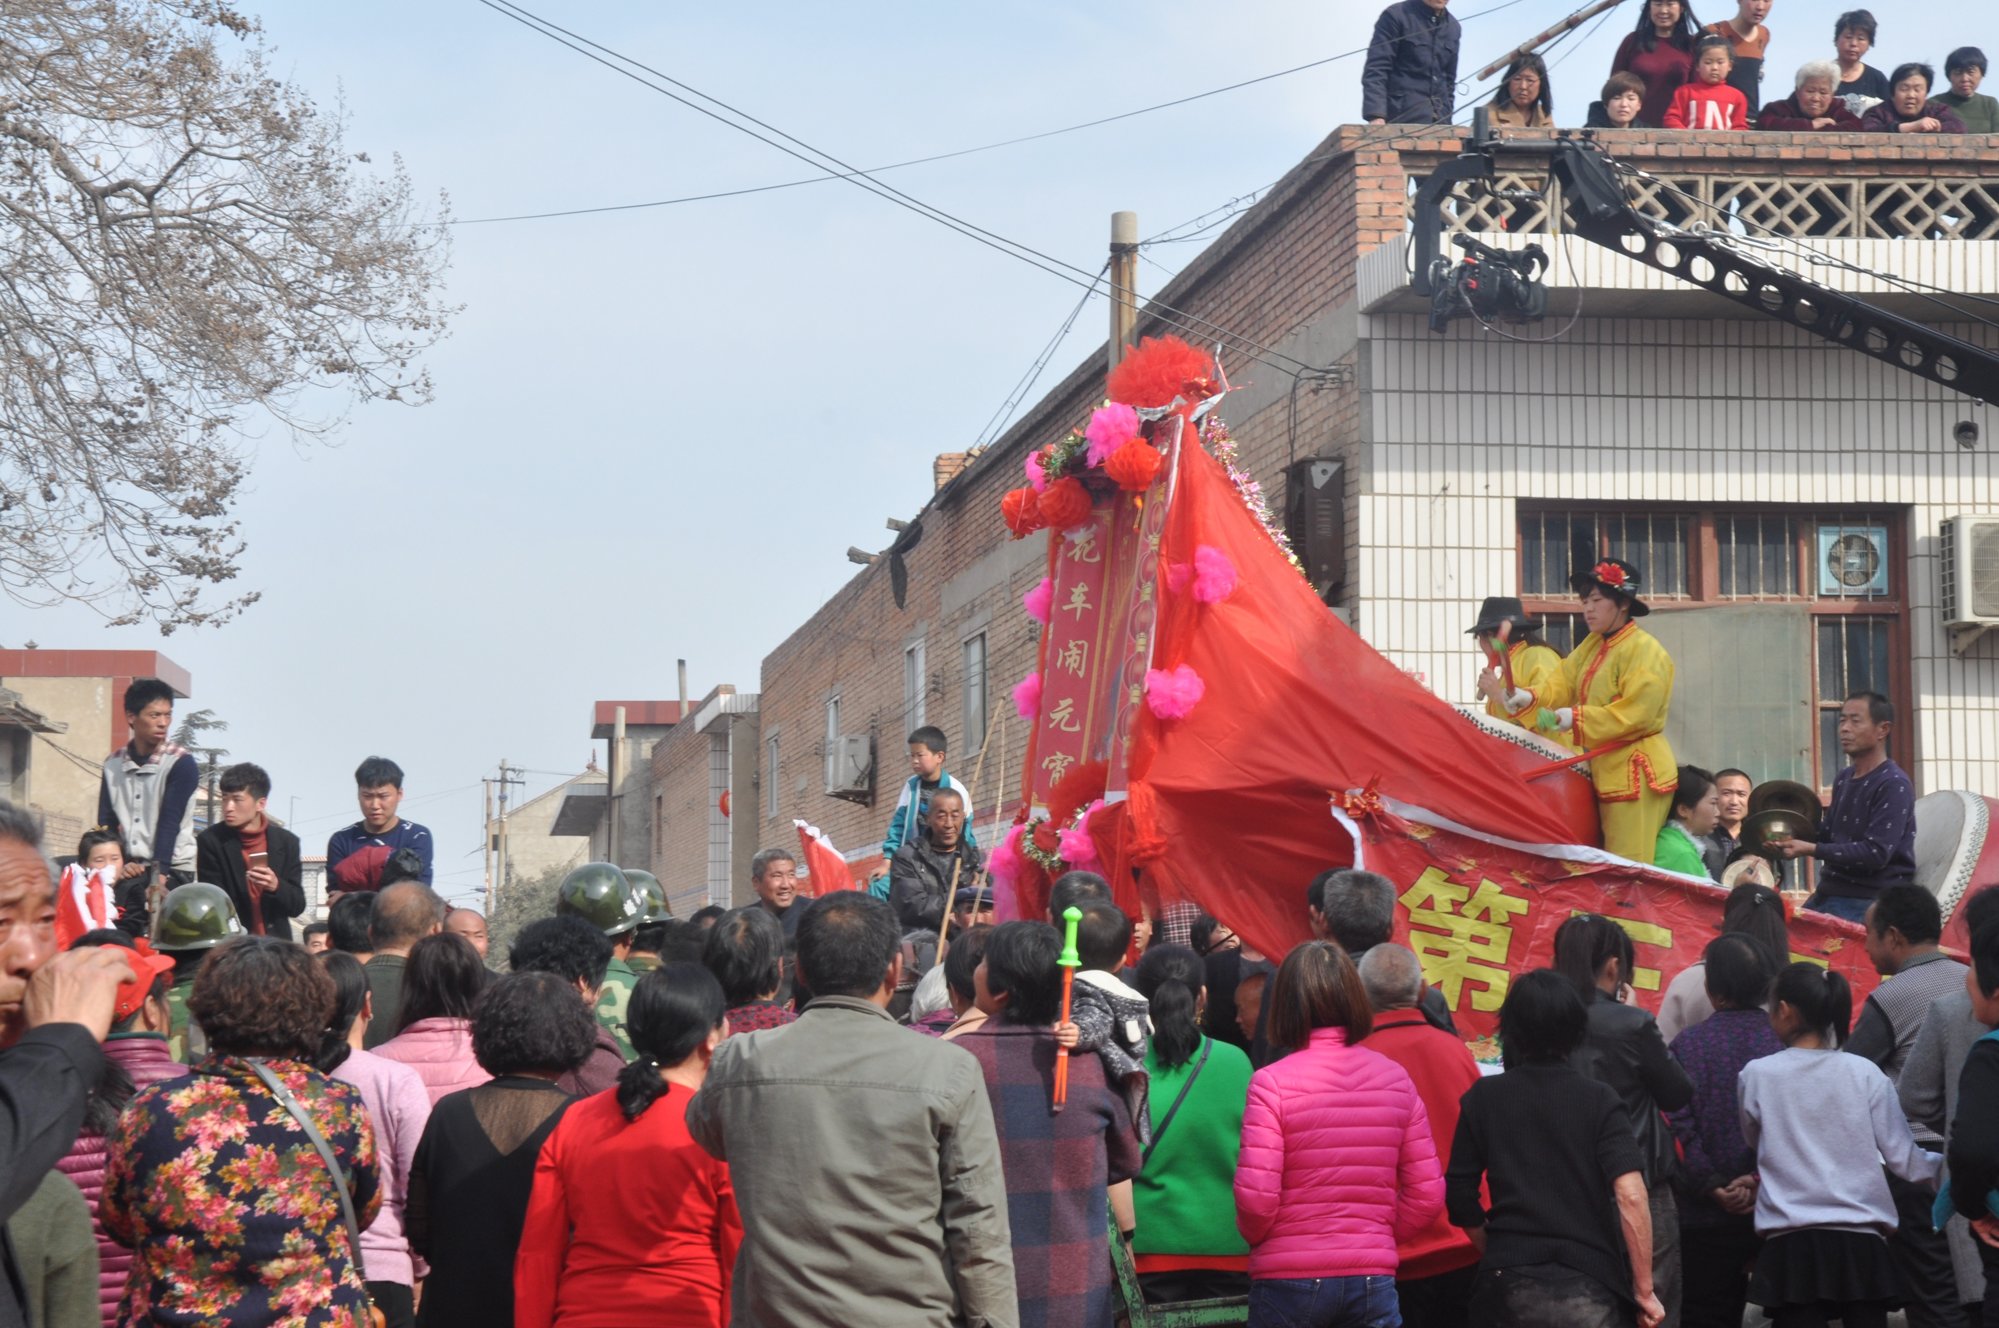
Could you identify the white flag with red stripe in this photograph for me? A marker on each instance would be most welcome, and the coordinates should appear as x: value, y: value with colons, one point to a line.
x: 825, y: 865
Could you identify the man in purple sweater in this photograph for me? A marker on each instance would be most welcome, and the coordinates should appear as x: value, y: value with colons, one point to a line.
x: 1867, y: 837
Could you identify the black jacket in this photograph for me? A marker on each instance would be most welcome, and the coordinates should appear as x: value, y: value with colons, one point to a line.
x: 45, y: 1079
x: 1624, y: 1050
x: 1412, y: 66
x: 218, y: 857
x: 920, y: 881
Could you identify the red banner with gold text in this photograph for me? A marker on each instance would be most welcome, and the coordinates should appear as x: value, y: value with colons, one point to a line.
x: 1478, y: 909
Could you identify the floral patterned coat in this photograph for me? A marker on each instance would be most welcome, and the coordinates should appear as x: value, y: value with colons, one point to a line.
x: 228, y: 1207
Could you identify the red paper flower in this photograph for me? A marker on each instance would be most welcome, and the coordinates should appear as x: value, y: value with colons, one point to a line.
x: 1065, y: 503
x: 1610, y: 574
x: 1160, y: 369
x: 1047, y: 837
x: 1022, y: 510
x: 1134, y: 466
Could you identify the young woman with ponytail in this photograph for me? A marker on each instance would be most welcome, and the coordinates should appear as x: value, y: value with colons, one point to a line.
x: 1186, y: 1246
x: 398, y: 1109
x: 1816, y: 1120
x: 630, y: 1220
x: 1623, y: 1049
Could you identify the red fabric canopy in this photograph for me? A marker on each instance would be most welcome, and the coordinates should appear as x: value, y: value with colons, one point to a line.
x: 1230, y: 806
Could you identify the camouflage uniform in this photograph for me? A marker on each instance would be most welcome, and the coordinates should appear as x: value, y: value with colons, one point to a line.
x: 614, y: 999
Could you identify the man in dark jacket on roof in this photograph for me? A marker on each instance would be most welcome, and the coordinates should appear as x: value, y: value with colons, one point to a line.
x: 929, y: 868
x: 1412, y: 65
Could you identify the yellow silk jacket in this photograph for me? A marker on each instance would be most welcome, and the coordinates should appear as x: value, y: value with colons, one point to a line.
x: 1620, y: 688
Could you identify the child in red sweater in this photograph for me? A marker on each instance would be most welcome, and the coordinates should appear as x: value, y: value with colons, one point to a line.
x: 1708, y: 102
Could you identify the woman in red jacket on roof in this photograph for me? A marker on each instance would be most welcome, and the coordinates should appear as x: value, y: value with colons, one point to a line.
x: 1661, y: 52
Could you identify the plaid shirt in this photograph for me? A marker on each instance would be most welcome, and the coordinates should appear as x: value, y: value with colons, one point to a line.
x: 1058, y: 1169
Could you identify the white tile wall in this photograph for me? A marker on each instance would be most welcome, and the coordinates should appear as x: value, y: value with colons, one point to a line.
x: 1662, y: 410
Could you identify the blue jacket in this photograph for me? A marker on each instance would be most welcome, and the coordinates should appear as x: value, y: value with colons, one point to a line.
x: 904, y: 821
x: 1411, y: 75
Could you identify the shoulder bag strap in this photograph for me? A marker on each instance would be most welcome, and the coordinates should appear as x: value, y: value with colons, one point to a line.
x: 291, y: 1104
x: 1159, y: 1130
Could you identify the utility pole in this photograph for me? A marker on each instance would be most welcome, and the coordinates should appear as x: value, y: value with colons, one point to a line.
x: 486, y: 839
x: 1124, y: 283
x: 504, y: 866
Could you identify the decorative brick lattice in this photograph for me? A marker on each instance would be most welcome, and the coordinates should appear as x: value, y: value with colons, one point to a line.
x: 1788, y: 205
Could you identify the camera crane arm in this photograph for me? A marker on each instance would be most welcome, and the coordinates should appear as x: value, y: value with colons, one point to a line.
x: 1600, y: 212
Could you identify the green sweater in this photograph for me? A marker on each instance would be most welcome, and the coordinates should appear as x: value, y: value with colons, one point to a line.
x: 1979, y: 112
x: 57, y: 1255
x: 1677, y: 852
x: 1184, y: 1199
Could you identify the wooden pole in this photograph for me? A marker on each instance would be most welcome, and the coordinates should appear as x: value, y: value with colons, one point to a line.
x: 1124, y: 283
x: 1568, y: 24
x: 486, y: 834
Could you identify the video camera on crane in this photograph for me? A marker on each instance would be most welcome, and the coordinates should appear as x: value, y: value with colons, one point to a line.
x: 1489, y: 283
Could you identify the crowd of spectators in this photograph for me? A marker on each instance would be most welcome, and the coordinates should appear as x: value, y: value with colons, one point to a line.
x: 1674, y: 72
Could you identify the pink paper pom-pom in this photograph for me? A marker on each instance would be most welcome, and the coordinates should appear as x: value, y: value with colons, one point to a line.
x: 1214, y: 575
x: 1110, y: 428
x: 1036, y: 476
x: 1173, y: 693
x: 1027, y: 696
x: 1078, y: 849
x: 1003, y: 864
x: 1040, y: 601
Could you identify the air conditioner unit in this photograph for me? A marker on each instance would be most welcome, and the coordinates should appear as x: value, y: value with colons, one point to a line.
x: 850, y: 769
x: 1968, y: 565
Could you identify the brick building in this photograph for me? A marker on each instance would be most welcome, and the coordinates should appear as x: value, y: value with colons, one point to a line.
x: 697, y: 778
x: 1783, y: 496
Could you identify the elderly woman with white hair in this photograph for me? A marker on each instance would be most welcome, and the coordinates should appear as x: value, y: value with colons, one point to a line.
x: 1813, y: 105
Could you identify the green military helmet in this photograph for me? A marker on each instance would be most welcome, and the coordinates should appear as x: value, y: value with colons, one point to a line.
x: 196, y: 916
x: 652, y: 894
x: 602, y: 896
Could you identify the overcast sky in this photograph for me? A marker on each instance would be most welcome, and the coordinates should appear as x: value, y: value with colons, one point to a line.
x: 656, y: 432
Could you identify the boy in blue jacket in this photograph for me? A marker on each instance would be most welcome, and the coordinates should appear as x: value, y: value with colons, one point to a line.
x: 926, y: 761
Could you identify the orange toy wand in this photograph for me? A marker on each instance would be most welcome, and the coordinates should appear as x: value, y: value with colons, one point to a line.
x: 1070, y: 962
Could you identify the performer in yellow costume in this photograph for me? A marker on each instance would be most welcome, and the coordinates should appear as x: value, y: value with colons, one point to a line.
x: 1613, y: 692
x: 1503, y: 628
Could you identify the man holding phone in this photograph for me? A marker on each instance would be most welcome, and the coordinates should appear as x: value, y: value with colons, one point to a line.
x: 256, y: 863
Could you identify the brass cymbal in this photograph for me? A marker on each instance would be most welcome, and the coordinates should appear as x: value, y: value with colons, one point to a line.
x: 1786, y: 795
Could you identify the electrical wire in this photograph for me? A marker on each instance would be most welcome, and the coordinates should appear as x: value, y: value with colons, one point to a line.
x: 960, y: 152
x: 1056, y: 267
x: 1004, y: 415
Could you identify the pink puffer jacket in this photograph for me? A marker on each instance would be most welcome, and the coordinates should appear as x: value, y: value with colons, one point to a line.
x: 1337, y: 1163
x: 145, y: 1058
x: 440, y: 1051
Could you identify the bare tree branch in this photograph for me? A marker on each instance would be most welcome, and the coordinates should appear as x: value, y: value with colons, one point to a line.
x: 189, y: 256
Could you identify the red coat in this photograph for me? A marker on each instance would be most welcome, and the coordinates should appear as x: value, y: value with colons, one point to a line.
x: 1707, y: 106
x: 1442, y: 1068
x: 626, y: 1214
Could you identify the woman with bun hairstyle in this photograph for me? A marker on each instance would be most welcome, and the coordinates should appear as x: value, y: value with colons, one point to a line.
x: 1187, y: 1246
x: 630, y: 1221
x: 1816, y: 1120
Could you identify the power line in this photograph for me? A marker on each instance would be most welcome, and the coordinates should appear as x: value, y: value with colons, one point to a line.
x: 1056, y: 267
x: 960, y: 152
x: 997, y: 424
